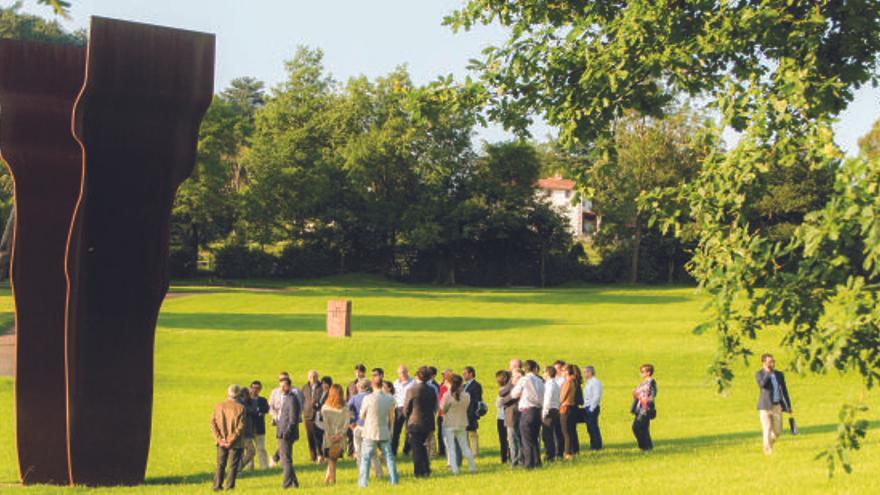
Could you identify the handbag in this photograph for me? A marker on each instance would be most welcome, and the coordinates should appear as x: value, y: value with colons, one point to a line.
x: 792, y: 424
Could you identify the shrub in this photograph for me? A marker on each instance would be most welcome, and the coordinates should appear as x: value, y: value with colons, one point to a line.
x: 237, y: 261
x: 183, y: 262
x: 304, y: 261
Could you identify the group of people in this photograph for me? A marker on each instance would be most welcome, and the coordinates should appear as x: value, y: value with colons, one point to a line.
x: 367, y: 419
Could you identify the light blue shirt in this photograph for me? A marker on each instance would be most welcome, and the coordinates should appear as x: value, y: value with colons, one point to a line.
x: 776, y: 398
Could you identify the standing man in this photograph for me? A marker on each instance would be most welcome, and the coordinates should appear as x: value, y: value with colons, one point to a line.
x: 360, y: 373
x: 312, y: 393
x: 515, y: 364
x: 262, y: 407
x: 559, y: 366
x: 249, y: 433
x: 530, y: 391
x: 592, y: 398
x: 419, y: 408
x: 227, y: 424
x: 287, y: 424
x: 401, y: 387
x: 275, y: 400
x: 773, y: 400
x: 551, y: 430
x: 476, y: 408
x: 377, y: 417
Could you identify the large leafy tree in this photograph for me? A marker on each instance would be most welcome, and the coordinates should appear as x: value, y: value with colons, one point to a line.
x: 869, y: 144
x: 776, y: 71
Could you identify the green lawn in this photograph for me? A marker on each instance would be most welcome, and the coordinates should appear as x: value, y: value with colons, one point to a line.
x: 705, y: 443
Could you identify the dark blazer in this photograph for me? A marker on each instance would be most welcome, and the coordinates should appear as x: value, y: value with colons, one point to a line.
x: 475, y: 390
x: 311, y: 400
x: 510, y: 406
x: 250, y: 418
x: 765, y: 383
x: 420, y: 406
x: 289, y: 418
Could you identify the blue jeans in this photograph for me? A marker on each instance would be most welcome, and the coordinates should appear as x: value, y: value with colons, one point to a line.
x: 368, y: 449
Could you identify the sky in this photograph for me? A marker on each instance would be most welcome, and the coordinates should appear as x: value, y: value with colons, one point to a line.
x: 255, y: 37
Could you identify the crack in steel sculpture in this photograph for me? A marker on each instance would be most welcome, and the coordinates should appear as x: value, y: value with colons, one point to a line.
x: 39, y: 83
x: 136, y: 119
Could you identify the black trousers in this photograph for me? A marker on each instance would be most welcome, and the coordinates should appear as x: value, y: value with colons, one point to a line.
x: 530, y: 429
x: 285, y: 452
x: 223, y: 455
x: 642, y: 431
x: 593, y: 429
x: 421, y: 459
x: 399, y: 422
x: 569, y: 432
x: 502, y: 442
x: 315, y: 436
x: 551, y: 433
x: 349, y: 433
x: 441, y: 445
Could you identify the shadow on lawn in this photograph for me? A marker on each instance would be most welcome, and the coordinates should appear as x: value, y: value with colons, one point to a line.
x: 208, y: 476
x: 360, y: 323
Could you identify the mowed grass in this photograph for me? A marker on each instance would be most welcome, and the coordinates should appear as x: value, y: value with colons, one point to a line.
x: 705, y: 443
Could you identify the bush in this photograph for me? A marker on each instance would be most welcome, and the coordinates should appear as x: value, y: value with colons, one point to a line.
x: 183, y: 262
x: 237, y: 261
x: 298, y: 261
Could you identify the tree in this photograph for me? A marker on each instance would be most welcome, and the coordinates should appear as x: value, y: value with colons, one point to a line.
x: 648, y: 153
x: 869, y: 144
x: 776, y: 71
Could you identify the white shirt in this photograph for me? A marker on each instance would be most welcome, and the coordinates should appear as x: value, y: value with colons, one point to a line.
x: 592, y: 394
x: 559, y: 379
x: 400, y: 389
x: 551, y: 396
x: 499, y: 404
x: 530, y: 392
x: 275, y: 399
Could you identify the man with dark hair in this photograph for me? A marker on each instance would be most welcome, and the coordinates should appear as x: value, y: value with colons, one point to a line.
x: 288, y: 432
x: 420, y: 406
x: 530, y: 392
x: 476, y: 408
x: 773, y: 400
x: 558, y: 365
x: 360, y: 373
x: 227, y: 425
x: 262, y: 407
x: 551, y: 426
x: 312, y: 393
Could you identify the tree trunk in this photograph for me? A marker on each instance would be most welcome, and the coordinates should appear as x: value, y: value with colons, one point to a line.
x: 6, y: 244
x: 670, y: 278
x: 543, y: 266
x: 637, y: 246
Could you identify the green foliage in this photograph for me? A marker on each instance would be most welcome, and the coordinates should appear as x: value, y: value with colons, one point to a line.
x: 778, y: 72
x: 850, y: 433
x: 238, y: 261
x: 16, y: 25
x: 869, y: 144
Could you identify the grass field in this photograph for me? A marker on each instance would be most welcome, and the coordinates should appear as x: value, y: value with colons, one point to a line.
x: 705, y: 443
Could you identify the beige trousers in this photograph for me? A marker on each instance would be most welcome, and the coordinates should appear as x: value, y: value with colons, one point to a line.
x: 474, y: 442
x: 771, y: 425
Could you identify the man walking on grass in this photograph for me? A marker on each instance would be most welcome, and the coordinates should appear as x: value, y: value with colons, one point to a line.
x: 773, y: 400
x: 227, y: 425
x: 376, y: 416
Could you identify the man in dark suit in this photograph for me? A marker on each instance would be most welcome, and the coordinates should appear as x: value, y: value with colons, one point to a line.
x: 773, y: 400
x: 420, y: 408
x: 312, y: 393
x: 288, y: 421
x: 475, y: 390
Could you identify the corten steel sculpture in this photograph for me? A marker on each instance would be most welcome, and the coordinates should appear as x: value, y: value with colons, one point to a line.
x: 136, y: 119
x: 38, y: 86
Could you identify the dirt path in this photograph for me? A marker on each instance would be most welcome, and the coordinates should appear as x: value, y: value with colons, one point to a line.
x: 7, y: 351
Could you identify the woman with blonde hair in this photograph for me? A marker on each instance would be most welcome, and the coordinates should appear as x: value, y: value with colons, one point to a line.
x: 334, y: 420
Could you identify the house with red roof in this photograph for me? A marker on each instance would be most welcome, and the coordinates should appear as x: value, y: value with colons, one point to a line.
x: 560, y: 193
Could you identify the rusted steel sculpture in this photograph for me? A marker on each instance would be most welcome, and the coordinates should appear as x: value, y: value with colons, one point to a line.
x: 136, y: 120
x: 38, y: 86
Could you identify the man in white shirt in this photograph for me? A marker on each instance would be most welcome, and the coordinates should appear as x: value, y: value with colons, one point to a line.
x: 377, y: 414
x: 530, y: 392
x: 551, y: 427
x: 401, y: 386
x: 592, y: 398
x: 559, y: 365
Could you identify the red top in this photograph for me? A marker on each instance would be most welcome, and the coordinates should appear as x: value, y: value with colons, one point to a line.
x: 443, y: 389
